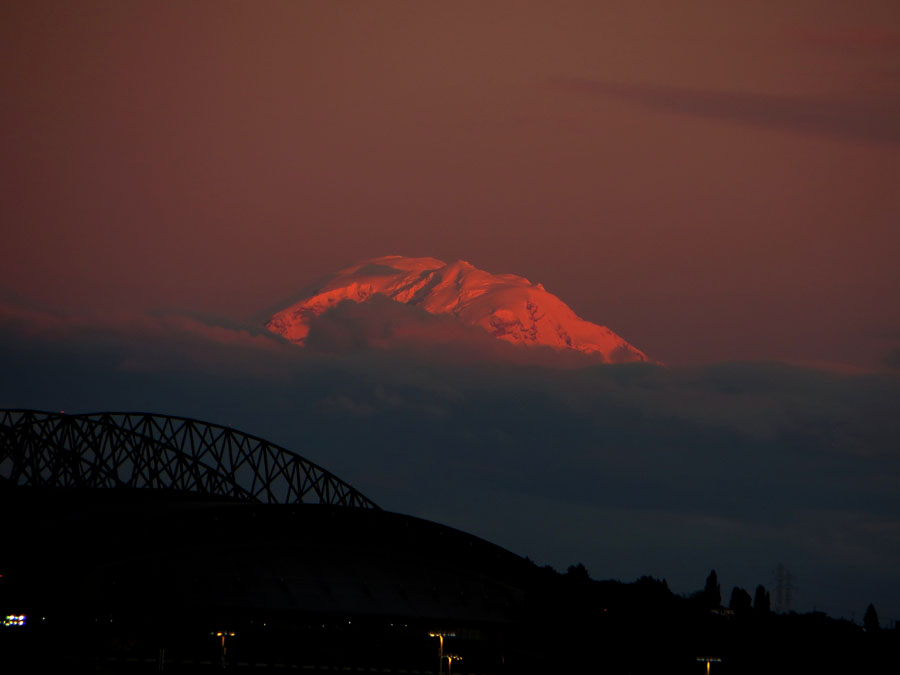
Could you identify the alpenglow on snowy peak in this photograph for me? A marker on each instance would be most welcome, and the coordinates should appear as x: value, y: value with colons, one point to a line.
x: 507, y: 306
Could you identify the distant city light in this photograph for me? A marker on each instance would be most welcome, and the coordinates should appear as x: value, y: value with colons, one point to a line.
x: 14, y: 620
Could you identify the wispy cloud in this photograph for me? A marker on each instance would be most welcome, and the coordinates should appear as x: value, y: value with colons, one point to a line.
x: 860, y: 37
x: 892, y: 359
x: 135, y: 341
x: 875, y: 121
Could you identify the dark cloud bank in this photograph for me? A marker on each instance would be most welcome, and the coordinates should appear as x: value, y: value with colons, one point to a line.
x: 631, y: 469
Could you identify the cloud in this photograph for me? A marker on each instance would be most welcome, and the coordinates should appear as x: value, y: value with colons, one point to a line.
x: 134, y: 341
x: 58, y: 326
x: 875, y: 121
x: 892, y: 359
x: 858, y: 38
x: 383, y: 325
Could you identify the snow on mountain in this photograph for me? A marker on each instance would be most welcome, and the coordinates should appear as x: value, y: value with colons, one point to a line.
x: 507, y: 306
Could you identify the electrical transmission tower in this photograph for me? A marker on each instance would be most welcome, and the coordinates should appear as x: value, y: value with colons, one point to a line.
x: 785, y: 584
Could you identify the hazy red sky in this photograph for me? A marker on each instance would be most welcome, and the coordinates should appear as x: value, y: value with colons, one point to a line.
x: 714, y: 180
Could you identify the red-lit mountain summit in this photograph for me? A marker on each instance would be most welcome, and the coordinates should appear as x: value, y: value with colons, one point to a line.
x: 507, y: 306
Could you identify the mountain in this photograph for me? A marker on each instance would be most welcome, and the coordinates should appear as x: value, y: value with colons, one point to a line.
x: 507, y: 306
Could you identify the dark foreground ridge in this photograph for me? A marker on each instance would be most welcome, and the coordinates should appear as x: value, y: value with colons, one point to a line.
x: 120, y: 579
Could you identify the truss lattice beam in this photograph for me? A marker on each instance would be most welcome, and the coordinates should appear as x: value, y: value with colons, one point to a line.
x: 144, y: 450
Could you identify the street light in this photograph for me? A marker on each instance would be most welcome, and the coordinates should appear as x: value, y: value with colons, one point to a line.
x: 223, y: 634
x: 709, y: 659
x: 441, y: 636
x: 450, y: 659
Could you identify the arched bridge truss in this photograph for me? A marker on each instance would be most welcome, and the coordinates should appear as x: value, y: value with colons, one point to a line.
x: 143, y: 450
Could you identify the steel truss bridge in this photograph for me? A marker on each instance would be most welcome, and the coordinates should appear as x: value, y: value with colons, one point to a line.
x: 144, y: 450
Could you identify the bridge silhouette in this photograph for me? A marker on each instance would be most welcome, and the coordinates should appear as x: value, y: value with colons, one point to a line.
x: 146, y: 450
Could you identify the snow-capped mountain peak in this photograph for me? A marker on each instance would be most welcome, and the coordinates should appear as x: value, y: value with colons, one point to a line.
x: 507, y: 306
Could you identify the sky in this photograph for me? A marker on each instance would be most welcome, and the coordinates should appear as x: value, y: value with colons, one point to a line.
x: 716, y: 182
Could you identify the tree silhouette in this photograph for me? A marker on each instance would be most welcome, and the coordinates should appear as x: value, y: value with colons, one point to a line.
x: 740, y: 602
x: 870, y: 620
x: 578, y: 572
x: 761, y: 600
x: 712, y: 593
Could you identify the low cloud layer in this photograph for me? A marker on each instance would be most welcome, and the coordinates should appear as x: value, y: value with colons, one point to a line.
x: 382, y: 325
x: 632, y: 469
x: 140, y: 342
